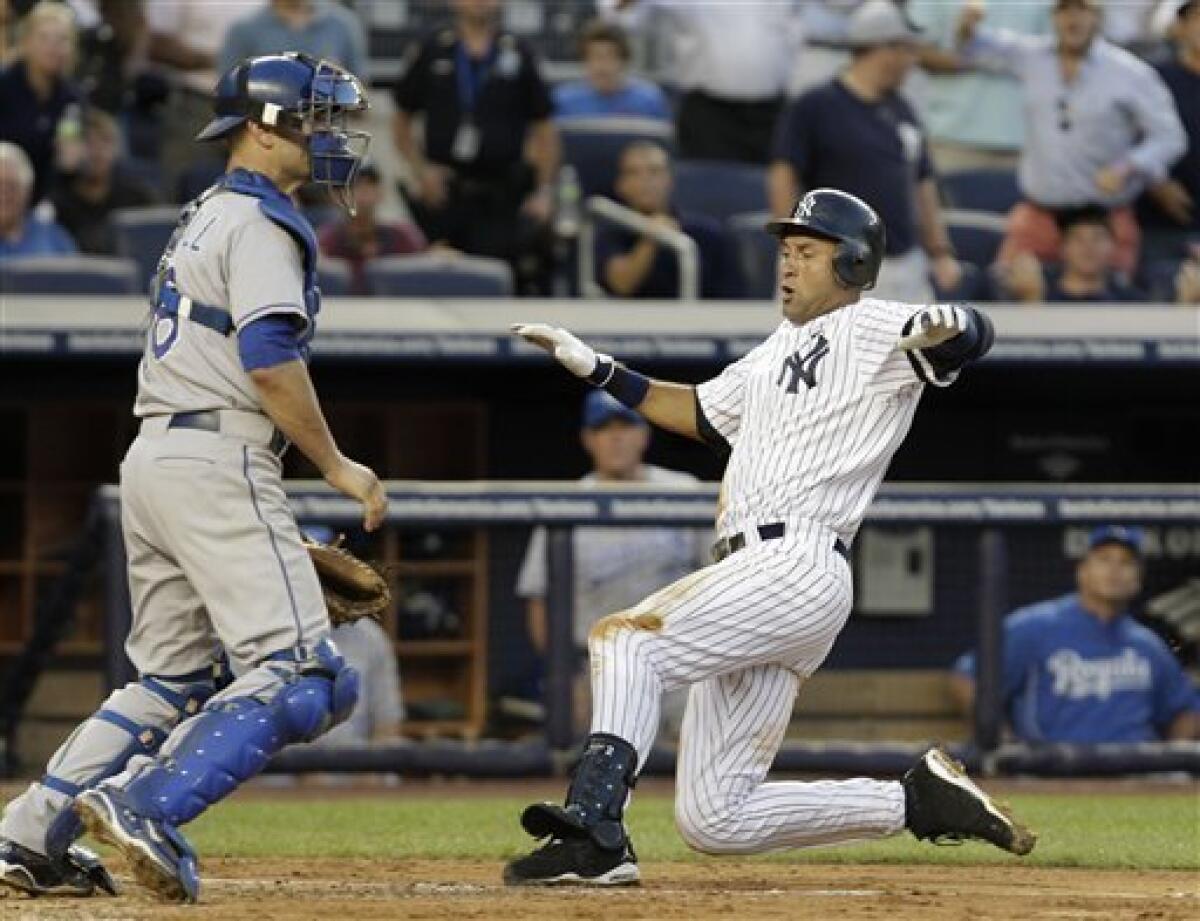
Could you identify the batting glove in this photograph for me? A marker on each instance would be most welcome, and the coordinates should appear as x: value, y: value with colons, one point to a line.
x: 572, y: 353
x: 934, y: 325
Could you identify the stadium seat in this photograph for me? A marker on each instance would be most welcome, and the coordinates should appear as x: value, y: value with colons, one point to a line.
x: 981, y: 190
x: 69, y: 275
x: 197, y: 177
x: 757, y: 253
x: 976, y: 235
x: 143, y: 234
x: 439, y: 275
x: 333, y: 276
x: 593, y: 146
x: 719, y: 189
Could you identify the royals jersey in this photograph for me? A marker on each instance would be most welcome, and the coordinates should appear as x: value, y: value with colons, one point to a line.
x: 229, y: 255
x: 813, y: 416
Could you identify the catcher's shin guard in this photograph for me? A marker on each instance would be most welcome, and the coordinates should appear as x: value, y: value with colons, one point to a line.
x: 596, y: 800
x: 233, y: 738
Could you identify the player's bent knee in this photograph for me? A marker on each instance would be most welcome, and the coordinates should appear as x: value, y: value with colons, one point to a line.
x: 706, y: 829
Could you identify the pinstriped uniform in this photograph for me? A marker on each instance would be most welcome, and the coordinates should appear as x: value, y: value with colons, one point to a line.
x: 813, y: 416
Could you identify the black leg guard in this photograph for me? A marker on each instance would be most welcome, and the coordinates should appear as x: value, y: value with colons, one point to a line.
x: 596, y: 799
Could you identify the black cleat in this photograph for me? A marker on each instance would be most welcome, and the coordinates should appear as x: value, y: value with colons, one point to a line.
x: 574, y: 862
x: 942, y: 805
x: 78, y: 872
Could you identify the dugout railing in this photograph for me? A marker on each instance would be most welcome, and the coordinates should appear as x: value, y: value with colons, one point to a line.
x: 990, y: 519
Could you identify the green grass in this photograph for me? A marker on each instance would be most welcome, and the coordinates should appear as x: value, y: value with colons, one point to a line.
x: 1126, y: 831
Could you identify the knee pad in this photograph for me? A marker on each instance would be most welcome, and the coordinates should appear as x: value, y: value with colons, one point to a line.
x: 134, y: 720
x: 233, y: 738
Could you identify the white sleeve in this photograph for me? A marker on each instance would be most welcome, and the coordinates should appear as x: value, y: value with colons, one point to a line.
x: 721, y: 399
x: 531, y: 582
x: 266, y: 274
x: 877, y: 328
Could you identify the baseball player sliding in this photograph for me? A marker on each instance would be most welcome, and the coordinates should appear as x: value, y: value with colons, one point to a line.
x: 214, y: 552
x: 811, y: 418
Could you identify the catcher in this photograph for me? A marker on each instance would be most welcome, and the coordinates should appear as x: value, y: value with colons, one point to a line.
x: 214, y: 553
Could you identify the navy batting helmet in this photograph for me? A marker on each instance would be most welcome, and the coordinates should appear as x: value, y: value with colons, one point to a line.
x: 848, y: 221
x: 297, y: 93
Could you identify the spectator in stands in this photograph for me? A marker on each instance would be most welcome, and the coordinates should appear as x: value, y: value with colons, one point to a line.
x: 858, y: 133
x: 84, y: 202
x: 318, y: 27
x: 1100, y: 125
x: 483, y: 177
x: 614, y: 567
x: 362, y: 237
x: 1080, y: 669
x: 185, y: 37
x: 974, y: 118
x: 21, y: 233
x: 607, y: 88
x: 1171, y: 216
x: 634, y: 265
x: 732, y: 63
x: 112, y: 56
x: 39, y: 105
x: 8, y: 47
x: 1086, y: 274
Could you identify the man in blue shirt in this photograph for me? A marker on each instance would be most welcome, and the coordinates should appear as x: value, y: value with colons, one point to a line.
x: 607, y: 88
x: 21, y: 234
x: 322, y: 29
x: 1080, y: 669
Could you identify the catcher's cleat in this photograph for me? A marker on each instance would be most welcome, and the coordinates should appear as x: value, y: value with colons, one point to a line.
x: 159, y: 856
x: 78, y: 872
x: 574, y: 862
x: 943, y: 805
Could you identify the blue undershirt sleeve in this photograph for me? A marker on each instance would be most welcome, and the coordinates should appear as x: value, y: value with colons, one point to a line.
x: 269, y: 341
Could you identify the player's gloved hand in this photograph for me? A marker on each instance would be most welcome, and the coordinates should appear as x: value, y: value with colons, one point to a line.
x: 935, y: 325
x: 358, y: 481
x: 572, y: 353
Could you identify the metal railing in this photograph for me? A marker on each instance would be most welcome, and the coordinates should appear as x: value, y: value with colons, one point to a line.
x: 599, y: 208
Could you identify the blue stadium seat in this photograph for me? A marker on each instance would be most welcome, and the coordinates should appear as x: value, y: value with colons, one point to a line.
x: 333, y: 276
x: 757, y: 253
x: 719, y: 189
x: 593, y: 146
x: 976, y: 235
x: 981, y: 190
x: 69, y: 275
x: 439, y: 275
x: 142, y: 235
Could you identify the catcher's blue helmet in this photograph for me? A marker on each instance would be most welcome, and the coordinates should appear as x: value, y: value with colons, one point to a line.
x: 297, y: 93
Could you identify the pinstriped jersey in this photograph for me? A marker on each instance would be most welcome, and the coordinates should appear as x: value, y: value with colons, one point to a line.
x: 813, y: 416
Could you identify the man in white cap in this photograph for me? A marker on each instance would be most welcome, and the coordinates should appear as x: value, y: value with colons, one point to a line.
x: 858, y: 134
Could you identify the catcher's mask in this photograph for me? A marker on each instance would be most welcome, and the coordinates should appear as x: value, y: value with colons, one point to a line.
x: 307, y: 99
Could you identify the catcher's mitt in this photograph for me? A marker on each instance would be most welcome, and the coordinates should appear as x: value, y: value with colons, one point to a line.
x: 353, y: 589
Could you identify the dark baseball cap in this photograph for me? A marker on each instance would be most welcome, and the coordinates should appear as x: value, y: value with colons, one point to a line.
x: 601, y: 408
x: 1116, y: 534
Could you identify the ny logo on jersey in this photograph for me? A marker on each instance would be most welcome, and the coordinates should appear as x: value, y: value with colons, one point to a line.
x: 803, y: 367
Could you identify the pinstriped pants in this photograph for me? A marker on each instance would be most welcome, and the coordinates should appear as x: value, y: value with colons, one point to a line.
x: 743, y: 633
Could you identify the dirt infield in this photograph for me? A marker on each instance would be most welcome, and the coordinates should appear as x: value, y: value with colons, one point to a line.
x: 299, y: 890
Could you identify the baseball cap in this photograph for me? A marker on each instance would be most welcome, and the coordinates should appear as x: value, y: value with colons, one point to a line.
x: 878, y: 22
x: 600, y: 408
x: 1116, y: 534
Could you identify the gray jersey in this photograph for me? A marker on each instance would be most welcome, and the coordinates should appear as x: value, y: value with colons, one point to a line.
x: 232, y: 256
x: 617, y: 567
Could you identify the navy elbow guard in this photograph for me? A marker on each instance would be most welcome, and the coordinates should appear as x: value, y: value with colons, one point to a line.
x: 970, y: 345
